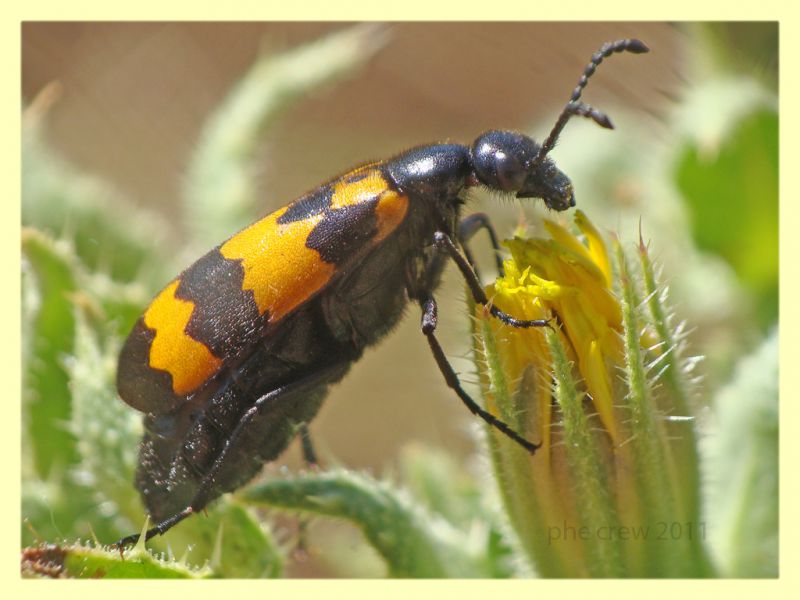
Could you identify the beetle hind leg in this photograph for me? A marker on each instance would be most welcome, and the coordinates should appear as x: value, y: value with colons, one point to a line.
x: 208, y: 488
x: 309, y: 454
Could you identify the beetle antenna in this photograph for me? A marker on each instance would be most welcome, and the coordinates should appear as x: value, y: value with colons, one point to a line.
x: 575, y: 107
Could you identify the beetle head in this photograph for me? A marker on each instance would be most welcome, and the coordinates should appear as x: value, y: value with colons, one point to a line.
x: 510, y: 162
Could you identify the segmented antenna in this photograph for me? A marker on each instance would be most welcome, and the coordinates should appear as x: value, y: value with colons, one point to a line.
x: 574, y: 107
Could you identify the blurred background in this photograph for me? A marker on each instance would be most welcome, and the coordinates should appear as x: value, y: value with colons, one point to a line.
x: 127, y: 102
x: 135, y: 95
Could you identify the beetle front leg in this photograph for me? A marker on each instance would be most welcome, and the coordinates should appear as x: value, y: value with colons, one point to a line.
x: 443, y: 242
x: 428, y: 323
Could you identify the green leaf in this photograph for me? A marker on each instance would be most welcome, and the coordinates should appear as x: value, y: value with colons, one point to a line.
x: 436, y: 480
x: 588, y: 472
x: 245, y: 547
x: 727, y: 171
x: 107, y: 430
x: 525, y: 498
x: 46, y: 395
x: 83, y: 562
x: 657, y: 495
x: 65, y: 367
x: 743, y: 469
x: 673, y: 376
x: 413, y: 542
x: 229, y: 538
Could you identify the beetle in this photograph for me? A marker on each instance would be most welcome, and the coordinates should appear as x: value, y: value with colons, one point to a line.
x: 233, y: 358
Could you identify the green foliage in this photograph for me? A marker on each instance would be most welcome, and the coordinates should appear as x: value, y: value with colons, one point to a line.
x: 49, y: 281
x: 740, y: 174
x: 412, y: 541
x: 85, y: 562
x: 743, y: 474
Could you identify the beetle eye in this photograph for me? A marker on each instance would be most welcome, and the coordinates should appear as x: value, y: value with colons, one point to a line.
x: 509, y: 172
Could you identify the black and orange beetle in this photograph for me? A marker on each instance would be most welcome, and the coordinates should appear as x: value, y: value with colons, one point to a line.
x: 234, y: 357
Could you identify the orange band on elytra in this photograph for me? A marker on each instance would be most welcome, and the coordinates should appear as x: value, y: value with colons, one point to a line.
x: 188, y: 361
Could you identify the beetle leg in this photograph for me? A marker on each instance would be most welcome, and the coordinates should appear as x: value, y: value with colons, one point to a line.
x: 468, y: 227
x: 206, y: 485
x: 300, y: 551
x: 309, y: 455
x: 428, y: 322
x: 443, y: 241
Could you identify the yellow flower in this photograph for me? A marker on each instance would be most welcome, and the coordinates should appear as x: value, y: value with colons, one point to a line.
x: 617, y: 462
